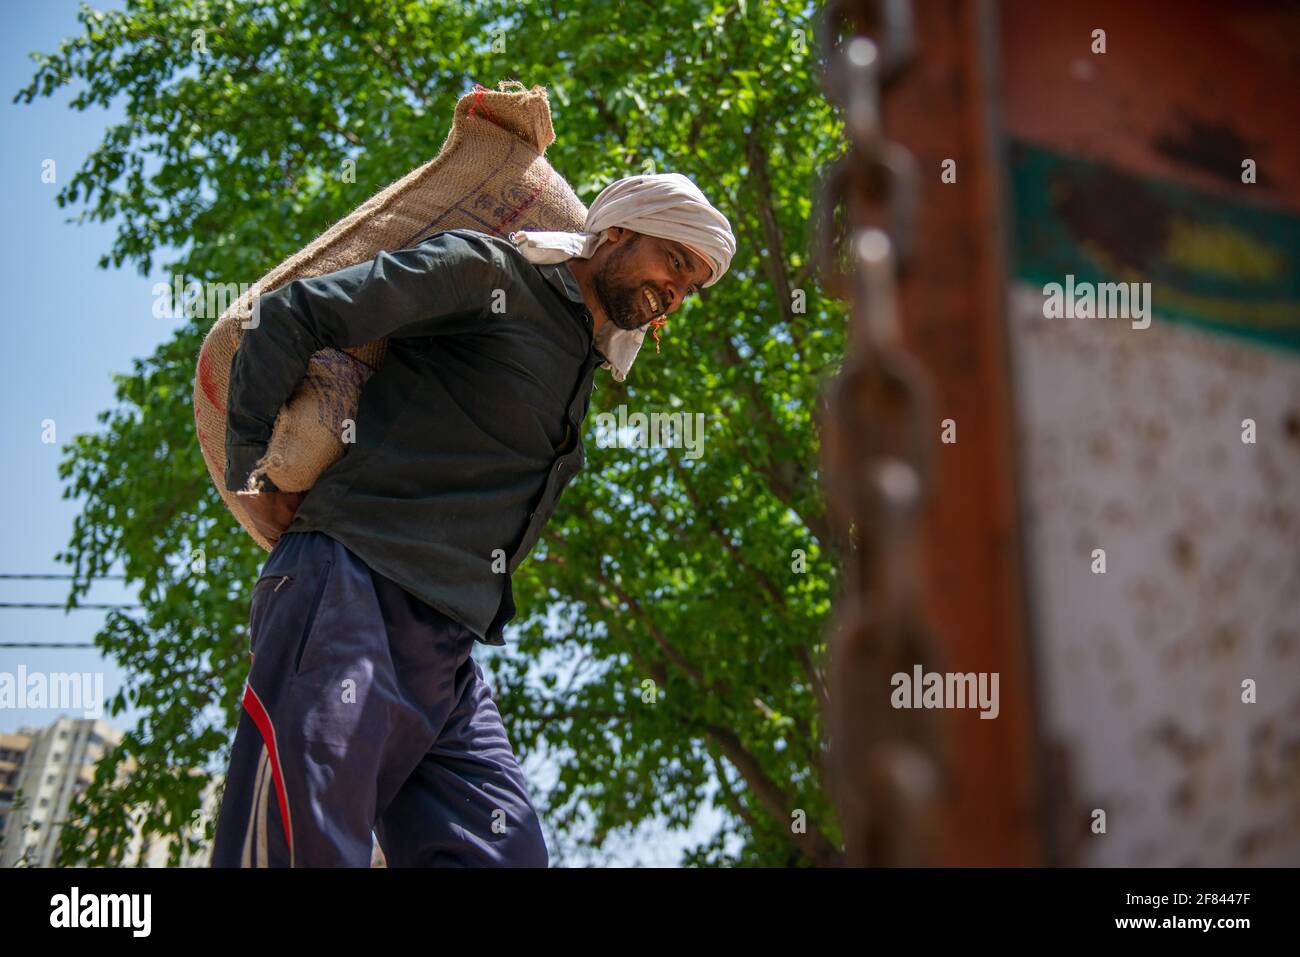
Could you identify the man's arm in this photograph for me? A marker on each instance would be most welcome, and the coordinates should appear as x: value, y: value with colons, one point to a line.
x: 440, y: 287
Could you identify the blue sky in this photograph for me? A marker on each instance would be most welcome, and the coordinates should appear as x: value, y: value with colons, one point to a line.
x: 75, y: 326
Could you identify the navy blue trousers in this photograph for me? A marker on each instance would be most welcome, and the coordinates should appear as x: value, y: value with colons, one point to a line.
x: 364, y: 711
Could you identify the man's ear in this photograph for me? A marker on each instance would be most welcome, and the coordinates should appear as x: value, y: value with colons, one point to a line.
x: 616, y: 234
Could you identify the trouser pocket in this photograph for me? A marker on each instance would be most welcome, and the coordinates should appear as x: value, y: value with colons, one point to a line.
x: 283, y: 613
x: 263, y: 590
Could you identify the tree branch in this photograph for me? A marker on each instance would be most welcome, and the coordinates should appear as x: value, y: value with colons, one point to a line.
x: 773, y: 257
x: 814, y: 844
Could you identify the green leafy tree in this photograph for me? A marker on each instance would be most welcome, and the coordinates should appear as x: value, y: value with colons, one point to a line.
x: 672, y: 621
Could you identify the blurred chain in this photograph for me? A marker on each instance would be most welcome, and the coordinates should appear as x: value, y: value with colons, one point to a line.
x: 877, y: 435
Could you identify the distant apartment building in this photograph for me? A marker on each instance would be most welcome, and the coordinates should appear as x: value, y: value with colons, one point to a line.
x: 41, y: 773
x: 12, y: 749
x: 57, y: 764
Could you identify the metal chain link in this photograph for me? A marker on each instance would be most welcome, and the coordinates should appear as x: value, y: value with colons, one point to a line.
x: 876, y: 453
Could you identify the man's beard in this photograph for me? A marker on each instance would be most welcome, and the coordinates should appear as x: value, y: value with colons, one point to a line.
x: 621, y: 298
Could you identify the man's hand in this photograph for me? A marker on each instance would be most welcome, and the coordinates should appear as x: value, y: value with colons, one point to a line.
x: 271, y: 512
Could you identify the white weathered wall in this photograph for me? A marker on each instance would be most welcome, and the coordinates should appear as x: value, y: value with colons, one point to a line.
x: 1131, y: 442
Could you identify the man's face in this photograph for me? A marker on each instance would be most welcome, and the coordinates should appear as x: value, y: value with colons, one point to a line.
x: 645, y: 277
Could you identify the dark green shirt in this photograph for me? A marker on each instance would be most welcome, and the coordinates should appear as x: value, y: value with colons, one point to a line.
x: 466, y: 434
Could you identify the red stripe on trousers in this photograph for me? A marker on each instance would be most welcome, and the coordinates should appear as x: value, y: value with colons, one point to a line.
x: 253, y: 705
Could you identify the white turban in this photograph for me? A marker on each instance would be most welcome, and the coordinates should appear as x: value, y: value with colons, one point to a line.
x: 666, y: 205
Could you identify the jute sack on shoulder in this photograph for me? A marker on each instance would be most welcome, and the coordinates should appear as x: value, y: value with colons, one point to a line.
x: 489, y: 175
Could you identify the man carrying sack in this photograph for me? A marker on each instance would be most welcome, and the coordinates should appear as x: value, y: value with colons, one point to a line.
x: 364, y: 710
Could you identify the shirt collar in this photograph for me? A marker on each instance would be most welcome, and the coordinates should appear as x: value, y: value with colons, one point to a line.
x: 562, y: 278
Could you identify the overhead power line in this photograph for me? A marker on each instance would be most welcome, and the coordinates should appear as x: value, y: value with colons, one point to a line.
x: 61, y: 606
x: 49, y: 577
x: 52, y: 644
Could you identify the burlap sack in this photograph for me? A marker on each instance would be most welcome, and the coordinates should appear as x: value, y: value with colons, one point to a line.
x: 489, y: 175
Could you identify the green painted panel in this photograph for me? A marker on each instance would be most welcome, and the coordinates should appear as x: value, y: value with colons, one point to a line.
x: 1227, y: 266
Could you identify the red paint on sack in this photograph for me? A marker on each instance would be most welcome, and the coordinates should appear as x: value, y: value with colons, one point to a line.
x: 208, y: 386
